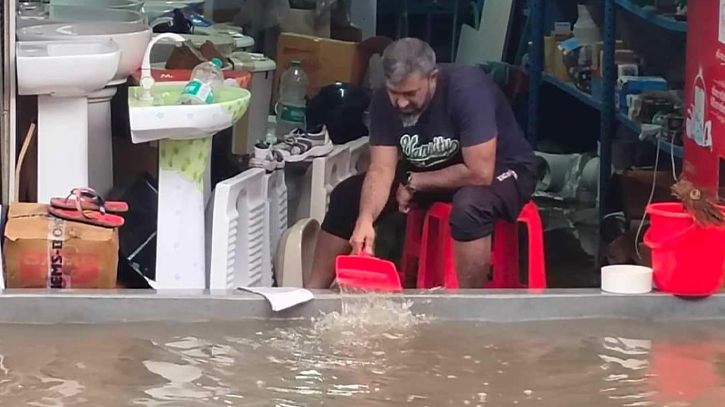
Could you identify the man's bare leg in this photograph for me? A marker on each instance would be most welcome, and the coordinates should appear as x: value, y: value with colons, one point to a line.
x: 323, y: 267
x: 473, y: 262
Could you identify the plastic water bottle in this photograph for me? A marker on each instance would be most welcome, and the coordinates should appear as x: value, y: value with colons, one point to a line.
x: 205, y: 78
x: 292, y: 104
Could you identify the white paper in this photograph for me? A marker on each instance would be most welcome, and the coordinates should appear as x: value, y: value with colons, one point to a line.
x: 282, y: 298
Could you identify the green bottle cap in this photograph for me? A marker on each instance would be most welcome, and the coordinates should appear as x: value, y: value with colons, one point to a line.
x: 217, y: 62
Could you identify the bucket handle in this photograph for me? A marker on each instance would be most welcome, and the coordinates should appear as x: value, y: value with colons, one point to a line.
x: 669, y: 241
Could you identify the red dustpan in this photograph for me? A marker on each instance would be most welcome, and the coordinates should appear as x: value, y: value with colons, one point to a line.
x: 367, y: 273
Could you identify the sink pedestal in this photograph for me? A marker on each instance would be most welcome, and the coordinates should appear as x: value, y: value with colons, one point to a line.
x: 184, y: 133
x: 62, y: 145
x: 100, y: 145
x: 180, y: 247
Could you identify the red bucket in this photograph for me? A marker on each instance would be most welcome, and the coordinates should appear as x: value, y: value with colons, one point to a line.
x: 687, y: 259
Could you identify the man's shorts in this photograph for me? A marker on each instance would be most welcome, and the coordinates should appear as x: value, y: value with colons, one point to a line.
x: 475, y: 208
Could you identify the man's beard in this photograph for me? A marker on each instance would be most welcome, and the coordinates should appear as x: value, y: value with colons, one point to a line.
x: 411, y: 118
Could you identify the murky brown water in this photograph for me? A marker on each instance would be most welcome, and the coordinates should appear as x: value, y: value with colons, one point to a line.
x: 334, y: 363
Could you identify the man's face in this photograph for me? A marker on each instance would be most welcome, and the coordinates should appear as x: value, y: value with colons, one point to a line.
x: 412, y: 96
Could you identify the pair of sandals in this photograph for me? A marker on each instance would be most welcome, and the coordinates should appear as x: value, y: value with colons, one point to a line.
x: 85, y: 205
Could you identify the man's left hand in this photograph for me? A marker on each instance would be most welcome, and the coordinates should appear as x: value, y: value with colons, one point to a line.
x: 404, y: 198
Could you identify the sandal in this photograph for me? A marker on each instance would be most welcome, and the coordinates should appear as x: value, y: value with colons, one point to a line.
x: 89, y: 217
x: 88, y: 199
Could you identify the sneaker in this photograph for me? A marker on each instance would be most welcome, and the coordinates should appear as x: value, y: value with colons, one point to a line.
x: 300, y: 145
x: 266, y: 157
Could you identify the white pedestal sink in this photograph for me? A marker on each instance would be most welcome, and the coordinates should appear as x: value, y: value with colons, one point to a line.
x: 44, y: 14
x: 185, y: 134
x: 63, y: 105
x: 132, y: 40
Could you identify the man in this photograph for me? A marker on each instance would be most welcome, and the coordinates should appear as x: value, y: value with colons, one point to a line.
x: 457, y: 140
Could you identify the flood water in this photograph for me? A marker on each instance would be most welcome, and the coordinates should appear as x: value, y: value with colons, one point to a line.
x: 341, y: 361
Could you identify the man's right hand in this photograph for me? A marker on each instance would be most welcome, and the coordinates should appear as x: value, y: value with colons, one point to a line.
x: 363, y: 238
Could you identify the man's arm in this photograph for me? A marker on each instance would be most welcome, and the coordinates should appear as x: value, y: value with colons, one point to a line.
x: 378, y: 182
x: 477, y: 169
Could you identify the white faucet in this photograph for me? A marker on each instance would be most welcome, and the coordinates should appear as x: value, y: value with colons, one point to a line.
x: 147, y: 81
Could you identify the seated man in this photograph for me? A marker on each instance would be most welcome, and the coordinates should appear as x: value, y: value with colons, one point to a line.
x: 437, y: 133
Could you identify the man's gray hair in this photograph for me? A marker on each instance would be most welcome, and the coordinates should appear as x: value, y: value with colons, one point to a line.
x: 408, y: 56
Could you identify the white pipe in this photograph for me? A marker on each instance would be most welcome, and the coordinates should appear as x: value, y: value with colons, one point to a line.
x: 147, y: 81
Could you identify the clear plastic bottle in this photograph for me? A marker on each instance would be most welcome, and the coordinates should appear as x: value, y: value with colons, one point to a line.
x: 205, y: 78
x: 292, y: 104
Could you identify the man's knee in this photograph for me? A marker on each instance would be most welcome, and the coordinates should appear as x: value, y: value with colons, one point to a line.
x: 343, y: 207
x: 472, y: 216
x: 347, y: 192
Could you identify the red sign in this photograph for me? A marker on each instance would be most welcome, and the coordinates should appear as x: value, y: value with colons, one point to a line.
x: 705, y: 95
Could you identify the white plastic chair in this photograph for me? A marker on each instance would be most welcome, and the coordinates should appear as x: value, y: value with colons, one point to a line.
x: 322, y: 176
x: 327, y: 172
x: 240, y: 251
x: 359, y: 156
x: 276, y: 216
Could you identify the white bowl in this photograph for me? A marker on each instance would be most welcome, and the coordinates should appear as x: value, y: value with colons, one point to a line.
x: 626, y: 279
x: 131, y: 38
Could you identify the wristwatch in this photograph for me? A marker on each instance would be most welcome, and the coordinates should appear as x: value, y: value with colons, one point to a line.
x: 406, y: 183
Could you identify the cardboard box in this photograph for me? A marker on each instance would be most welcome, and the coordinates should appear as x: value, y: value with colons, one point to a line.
x: 42, y: 251
x: 325, y: 61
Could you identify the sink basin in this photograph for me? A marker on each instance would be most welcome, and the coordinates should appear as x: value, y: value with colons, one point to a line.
x: 43, y: 67
x: 167, y: 120
x: 77, y: 14
x: 74, y: 14
x: 131, y: 38
x: 134, y: 5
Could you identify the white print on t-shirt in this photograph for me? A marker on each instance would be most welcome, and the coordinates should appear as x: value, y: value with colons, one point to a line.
x: 438, y: 151
x: 506, y: 175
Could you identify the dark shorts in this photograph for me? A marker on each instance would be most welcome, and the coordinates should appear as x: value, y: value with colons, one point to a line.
x: 475, y: 209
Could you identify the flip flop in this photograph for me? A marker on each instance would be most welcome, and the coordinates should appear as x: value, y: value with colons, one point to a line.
x: 95, y: 218
x: 88, y: 200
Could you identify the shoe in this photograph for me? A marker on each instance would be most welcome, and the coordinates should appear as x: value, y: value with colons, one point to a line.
x: 266, y: 157
x: 300, y: 145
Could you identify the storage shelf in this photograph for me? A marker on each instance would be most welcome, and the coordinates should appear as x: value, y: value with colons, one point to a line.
x: 588, y: 99
x: 571, y: 89
x: 652, y: 16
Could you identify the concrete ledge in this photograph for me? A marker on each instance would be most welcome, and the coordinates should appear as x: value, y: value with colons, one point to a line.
x: 46, y: 307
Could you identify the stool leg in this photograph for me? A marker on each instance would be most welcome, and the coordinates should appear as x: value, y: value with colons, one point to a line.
x: 411, y: 247
x: 537, y: 261
x: 425, y: 258
x: 448, y: 256
x: 506, y: 252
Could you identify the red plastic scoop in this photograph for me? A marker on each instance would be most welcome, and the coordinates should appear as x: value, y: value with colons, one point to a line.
x: 367, y: 273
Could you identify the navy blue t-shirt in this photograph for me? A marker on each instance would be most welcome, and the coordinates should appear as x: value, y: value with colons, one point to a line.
x: 468, y: 109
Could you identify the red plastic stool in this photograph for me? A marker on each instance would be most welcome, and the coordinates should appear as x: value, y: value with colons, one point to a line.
x: 411, y: 248
x: 437, y: 265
